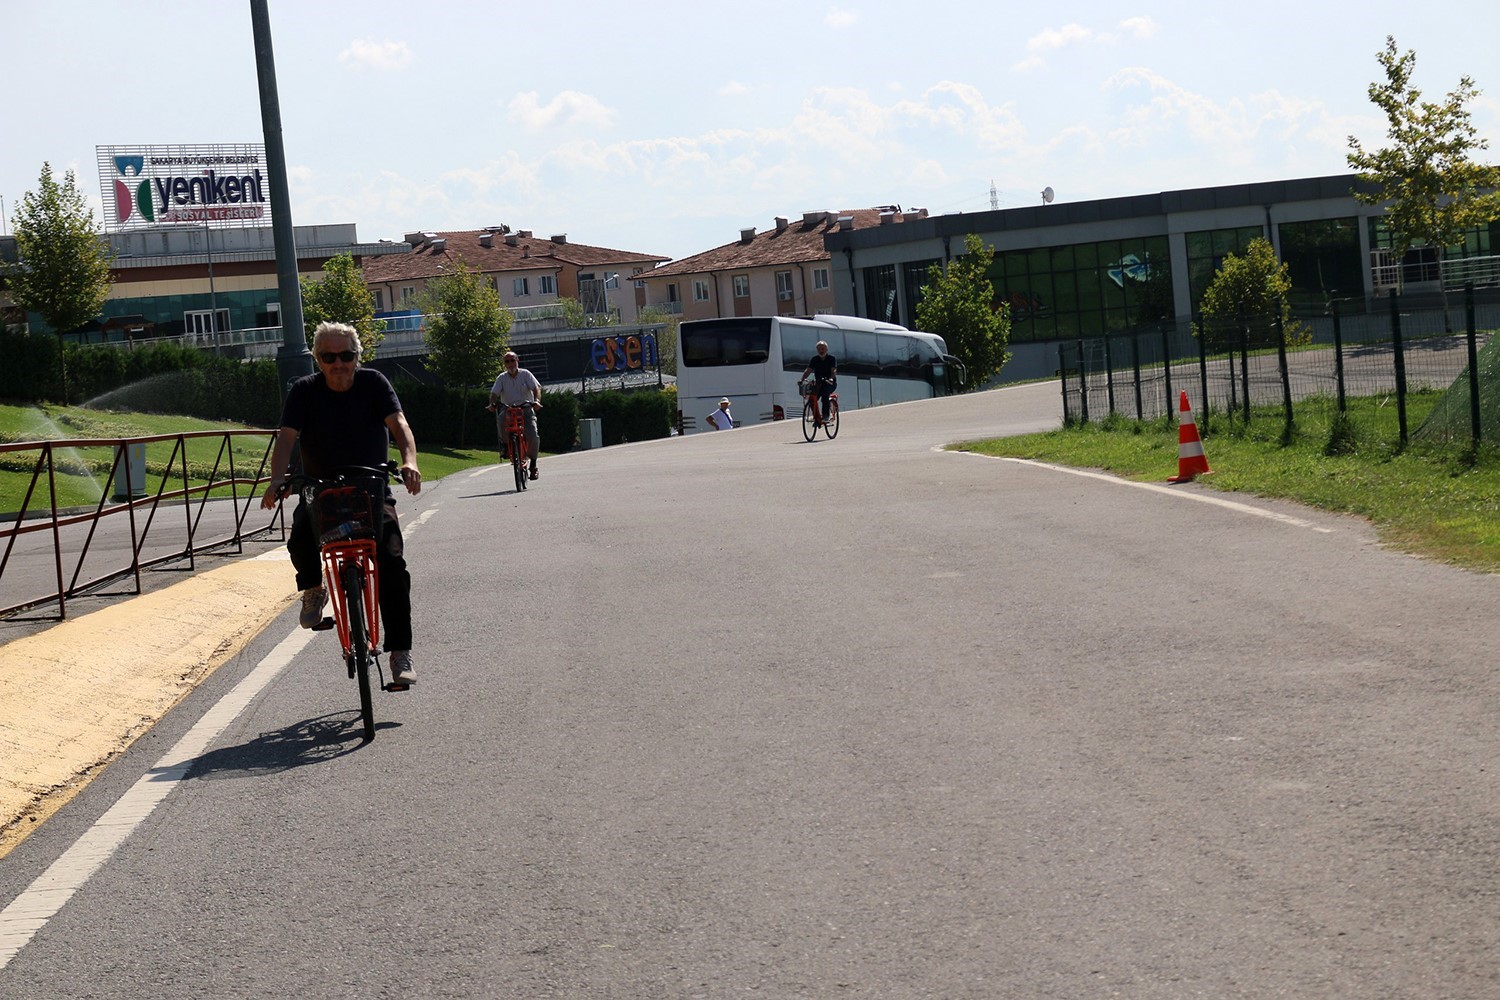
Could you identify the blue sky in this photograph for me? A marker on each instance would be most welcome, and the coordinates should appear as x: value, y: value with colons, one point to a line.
x: 667, y: 127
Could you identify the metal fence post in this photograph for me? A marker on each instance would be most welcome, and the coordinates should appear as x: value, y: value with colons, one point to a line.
x: 1203, y: 376
x: 1166, y: 366
x: 1338, y: 359
x: 1135, y: 361
x: 1473, y: 339
x: 1062, y: 370
x: 1400, y: 367
x: 1109, y: 375
x: 1083, y: 383
x: 1245, y: 364
x: 1286, y: 377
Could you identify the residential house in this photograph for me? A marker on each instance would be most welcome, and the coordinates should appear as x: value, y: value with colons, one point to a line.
x: 525, y: 270
x: 783, y: 271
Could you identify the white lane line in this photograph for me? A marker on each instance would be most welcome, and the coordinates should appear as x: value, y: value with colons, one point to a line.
x: 1181, y: 494
x: 31, y: 910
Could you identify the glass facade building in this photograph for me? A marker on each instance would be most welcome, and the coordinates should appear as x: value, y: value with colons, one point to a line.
x: 1115, y: 266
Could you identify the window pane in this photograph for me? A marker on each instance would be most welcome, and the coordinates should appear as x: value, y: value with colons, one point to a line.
x: 861, y: 356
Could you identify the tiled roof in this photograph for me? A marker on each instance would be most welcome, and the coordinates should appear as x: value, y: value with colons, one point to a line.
x: 427, y: 260
x: 799, y: 243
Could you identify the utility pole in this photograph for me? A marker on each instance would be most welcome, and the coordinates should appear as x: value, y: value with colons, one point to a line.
x: 294, y: 359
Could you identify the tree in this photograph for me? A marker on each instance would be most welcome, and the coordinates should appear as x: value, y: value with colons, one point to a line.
x: 63, y: 266
x: 573, y: 314
x: 959, y: 306
x: 1435, y: 192
x: 342, y: 297
x: 466, y: 328
x: 1244, y: 299
x: 666, y: 341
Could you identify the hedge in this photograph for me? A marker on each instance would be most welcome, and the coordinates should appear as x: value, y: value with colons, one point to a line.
x: 167, y: 378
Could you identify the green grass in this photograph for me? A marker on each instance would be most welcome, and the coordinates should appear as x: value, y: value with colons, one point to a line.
x: 85, y: 470
x: 1441, y: 504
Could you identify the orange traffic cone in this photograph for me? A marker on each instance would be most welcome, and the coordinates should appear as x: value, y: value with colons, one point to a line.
x: 1190, y: 458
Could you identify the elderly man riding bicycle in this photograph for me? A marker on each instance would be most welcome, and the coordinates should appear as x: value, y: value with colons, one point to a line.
x: 341, y: 414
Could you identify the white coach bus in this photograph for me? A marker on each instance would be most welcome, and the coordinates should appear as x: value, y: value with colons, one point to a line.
x: 756, y: 361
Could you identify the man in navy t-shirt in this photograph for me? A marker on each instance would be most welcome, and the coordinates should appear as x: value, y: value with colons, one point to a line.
x: 341, y: 415
x: 826, y: 369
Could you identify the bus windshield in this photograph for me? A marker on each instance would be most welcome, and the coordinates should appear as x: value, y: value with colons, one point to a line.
x: 719, y: 343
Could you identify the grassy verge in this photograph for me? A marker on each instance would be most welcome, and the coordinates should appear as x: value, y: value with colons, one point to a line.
x: 1441, y: 504
x: 84, y: 472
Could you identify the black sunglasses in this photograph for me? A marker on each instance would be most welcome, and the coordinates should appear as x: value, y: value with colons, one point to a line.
x: 329, y: 357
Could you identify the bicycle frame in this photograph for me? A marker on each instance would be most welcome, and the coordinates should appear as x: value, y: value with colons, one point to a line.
x: 812, y: 414
x: 515, y: 423
x: 338, y: 558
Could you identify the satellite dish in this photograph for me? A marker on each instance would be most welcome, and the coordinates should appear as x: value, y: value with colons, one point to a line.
x: 1047, y: 195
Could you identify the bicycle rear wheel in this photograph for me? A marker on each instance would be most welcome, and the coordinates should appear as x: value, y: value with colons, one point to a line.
x: 517, y: 462
x: 359, y: 642
x: 809, y: 418
x: 831, y: 425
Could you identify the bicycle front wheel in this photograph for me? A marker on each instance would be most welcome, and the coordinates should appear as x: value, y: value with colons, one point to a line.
x: 810, y: 418
x: 831, y: 425
x: 359, y: 643
x: 517, y: 462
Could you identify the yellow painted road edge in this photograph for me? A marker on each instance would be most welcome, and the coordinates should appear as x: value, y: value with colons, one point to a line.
x: 76, y: 696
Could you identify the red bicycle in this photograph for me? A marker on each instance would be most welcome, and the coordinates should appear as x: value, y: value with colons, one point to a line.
x: 348, y: 512
x: 515, y: 439
x: 812, y: 418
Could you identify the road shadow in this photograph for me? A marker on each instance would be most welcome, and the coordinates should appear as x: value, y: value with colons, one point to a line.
x: 312, y: 741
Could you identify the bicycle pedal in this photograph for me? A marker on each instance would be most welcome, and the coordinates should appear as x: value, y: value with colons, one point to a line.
x: 393, y: 686
x: 324, y: 625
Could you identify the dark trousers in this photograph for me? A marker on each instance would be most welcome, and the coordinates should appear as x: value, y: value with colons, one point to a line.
x: 825, y: 389
x: 395, y: 580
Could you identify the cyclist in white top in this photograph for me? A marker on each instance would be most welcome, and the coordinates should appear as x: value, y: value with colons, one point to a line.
x: 513, y: 387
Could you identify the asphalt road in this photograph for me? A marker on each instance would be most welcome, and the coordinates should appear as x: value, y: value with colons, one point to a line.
x: 740, y: 715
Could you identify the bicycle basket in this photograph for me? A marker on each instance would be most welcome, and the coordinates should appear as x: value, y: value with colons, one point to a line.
x: 515, y: 420
x: 339, y: 506
x: 808, y: 388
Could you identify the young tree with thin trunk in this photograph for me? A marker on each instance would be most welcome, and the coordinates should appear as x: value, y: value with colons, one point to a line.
x: 1436, y: 192
x: 959, y: 306
x: 466, y: 328
x: 62, y: 271
x: 1248, y: 292
x: 342, y: 297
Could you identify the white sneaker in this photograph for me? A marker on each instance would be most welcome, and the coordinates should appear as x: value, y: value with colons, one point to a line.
x: 402, y: 671
x: 313, y: 599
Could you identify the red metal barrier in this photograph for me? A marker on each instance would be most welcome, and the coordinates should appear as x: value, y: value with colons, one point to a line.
x: 22, y: 531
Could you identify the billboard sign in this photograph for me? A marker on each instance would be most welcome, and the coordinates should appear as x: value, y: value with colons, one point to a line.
x: 216, y: 185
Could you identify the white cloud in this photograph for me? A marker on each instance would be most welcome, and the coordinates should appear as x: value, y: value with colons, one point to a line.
x: 1138, y: 27
x: 1226, y: 129
x: 381, y: 56
x: 733, y: 89
x: 1050, y: 40
x: 840, y: 18
x: 567, y: 109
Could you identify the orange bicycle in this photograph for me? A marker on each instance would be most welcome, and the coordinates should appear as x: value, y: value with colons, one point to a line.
x: 515, y: 437
x: 348, y: 512
x: 812, y: 419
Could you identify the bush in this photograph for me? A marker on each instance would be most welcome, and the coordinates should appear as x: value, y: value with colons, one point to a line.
x: 638, y: 415
x: 557, y: 423
x: 162, y: 378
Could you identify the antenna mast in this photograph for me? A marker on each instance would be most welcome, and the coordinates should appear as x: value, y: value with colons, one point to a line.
x: 994, y: 198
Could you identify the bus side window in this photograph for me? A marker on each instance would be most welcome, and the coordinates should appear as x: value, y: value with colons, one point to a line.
x: 860, y: 357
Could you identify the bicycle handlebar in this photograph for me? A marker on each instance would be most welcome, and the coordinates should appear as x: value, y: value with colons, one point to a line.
x: 298, y: 481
